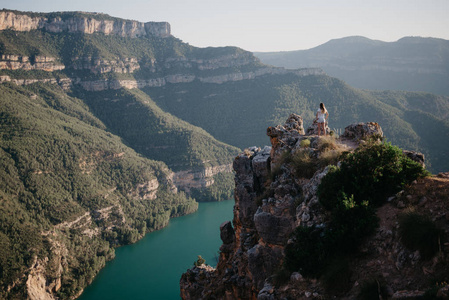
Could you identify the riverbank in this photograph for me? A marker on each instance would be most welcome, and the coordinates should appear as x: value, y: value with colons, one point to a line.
x: 152, y: 267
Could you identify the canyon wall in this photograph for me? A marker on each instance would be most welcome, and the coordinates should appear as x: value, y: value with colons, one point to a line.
x: 188, y: 179
x: 83, y: 23
x: 115, y: 84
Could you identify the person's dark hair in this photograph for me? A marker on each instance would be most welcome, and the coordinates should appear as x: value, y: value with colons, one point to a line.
x: 322, y: 107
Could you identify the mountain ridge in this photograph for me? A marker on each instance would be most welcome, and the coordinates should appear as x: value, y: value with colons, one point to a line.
x: 410, y: 63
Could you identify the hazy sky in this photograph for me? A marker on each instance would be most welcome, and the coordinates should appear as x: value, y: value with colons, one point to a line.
x: 274, y: 25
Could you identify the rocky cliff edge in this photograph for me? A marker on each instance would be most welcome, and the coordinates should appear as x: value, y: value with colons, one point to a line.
x: 271, y: 200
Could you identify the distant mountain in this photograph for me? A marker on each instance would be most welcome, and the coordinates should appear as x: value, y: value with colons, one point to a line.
x: 109, y: 126
x: 409, y: 64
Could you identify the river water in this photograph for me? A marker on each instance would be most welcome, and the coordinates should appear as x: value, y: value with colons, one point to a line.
x: 151, y: 268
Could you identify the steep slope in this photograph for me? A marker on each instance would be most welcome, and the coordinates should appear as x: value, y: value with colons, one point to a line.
x: 410, y: 64
x: 70, y: 192
x: 195, y: 156
x: 105, y: 60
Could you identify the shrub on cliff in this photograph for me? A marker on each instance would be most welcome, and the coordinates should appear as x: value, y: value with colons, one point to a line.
x: 199, y: 262
x: 372, y: 173
x: 350, y: 192
x: 314, y: 250
x: 350, y: 224
x: 307, y: 252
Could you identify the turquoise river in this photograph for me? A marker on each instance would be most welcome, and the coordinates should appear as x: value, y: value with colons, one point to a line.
x: 151, y: 268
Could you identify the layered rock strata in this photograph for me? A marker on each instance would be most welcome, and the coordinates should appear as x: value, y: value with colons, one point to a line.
x: 16, y: 62
x: 189, y: 179
x: 105, y: 84
x: 83, y: 23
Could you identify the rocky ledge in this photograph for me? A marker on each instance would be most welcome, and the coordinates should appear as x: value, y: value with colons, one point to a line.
x: 268, y: 209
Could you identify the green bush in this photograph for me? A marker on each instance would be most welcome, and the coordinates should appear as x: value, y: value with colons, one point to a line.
x: 307, y: 253
x: 350, y: 193
x: 350, y: 224
x: 418, y: 232
x: 281, y: 277
x: 315, y: 249
x: 200, y: 261
x: 372, y: 173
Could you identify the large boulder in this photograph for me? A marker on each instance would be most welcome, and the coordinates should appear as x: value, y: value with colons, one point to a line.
x: 294, y: 122
x: 362, y: 131
x: 415, y: 156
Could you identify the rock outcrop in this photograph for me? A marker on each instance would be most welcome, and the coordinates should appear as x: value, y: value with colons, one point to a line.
x: 16, y: 62
x: 81, y: 22
x: 128, y: 66
x: 271, y: 200
x: 189, y: 179
x: 99, y: 66
x: 40, y: 286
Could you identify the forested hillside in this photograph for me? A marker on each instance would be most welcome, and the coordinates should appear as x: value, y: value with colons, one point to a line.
x: 71, y: 191
x: 414, y: 121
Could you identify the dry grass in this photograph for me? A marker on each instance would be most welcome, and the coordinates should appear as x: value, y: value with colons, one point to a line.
x: 305, y: 165
x: 433, y: 188
x: 330, y: 150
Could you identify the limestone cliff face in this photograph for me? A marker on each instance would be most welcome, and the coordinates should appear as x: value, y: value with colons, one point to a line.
x: 16, y: 62
x: 99, y: 66
x: 146, y: 190
x: 84, y: 23
x: 129, y: 66
x: 267, y: 210
x: 186, y: 180
x: 234, y: 65
x: 253, y: 247
x: 65, y: 83
x: 40, y: 284
x: 104, y: 84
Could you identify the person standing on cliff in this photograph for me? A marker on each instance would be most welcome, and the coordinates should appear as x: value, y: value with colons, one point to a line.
x: 321, y: 117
